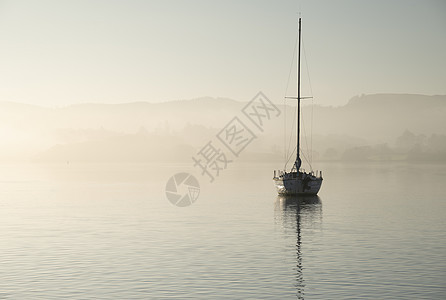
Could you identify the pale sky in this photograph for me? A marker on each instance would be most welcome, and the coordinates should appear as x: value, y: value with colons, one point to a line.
x: 55, y: 53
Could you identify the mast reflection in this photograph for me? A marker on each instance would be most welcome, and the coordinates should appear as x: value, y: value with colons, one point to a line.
x: 297, y: 213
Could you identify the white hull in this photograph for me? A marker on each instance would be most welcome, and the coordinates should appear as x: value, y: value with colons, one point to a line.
x: 299, y: 185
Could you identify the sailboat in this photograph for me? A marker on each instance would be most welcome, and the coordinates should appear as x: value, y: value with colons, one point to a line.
x: 297, y: 181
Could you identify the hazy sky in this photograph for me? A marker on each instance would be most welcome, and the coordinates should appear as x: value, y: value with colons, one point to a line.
x: 55, y: 53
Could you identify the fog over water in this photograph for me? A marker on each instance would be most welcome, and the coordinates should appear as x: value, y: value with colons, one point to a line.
x: 138, y: 142
x: 380, y: 127
x: 87, y: 209
x: 104, y: 231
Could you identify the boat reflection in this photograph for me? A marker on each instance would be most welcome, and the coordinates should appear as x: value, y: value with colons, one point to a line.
x: 297, y: 213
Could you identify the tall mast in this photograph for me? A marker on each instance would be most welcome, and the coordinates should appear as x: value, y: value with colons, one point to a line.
x: 298, y: 161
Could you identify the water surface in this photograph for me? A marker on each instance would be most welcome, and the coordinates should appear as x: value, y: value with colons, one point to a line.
x: 107, y: 231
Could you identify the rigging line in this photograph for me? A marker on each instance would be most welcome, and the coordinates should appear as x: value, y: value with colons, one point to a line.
x: 312, y: 100
x: 291, y: 135
x: 306, y: 137
x: 284, y: 130
x: 284, y: 104
x: 305, y: 157
x: 289, y: 157
x: 306, y: 64
x: 311, y: 131
x: 306, y: 143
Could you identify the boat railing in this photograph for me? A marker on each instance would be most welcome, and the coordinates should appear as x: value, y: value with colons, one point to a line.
x: 281, y: 173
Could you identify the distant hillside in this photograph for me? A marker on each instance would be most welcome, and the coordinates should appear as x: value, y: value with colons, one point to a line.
x: 157, y: 129
x: 140, y: 147
x: 386, y: 116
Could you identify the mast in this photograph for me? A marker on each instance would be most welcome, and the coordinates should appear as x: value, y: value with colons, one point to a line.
x: 298, y: 160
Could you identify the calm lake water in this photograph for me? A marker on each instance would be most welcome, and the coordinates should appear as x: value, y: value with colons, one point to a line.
x: 376, y: 231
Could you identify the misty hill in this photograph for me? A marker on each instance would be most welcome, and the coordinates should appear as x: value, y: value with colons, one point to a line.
x: 85, y: 131
x: 139, y: 147
x: 27, y: 130
x: 382, y: 117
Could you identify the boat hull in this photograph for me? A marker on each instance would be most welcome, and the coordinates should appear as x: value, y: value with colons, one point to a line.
x: 298, y: 186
